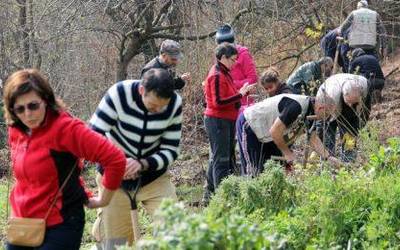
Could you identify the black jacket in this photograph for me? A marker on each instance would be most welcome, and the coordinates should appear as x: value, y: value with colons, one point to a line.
x: 367, y: 66
x: 157, y: 64
x: 284, y: 89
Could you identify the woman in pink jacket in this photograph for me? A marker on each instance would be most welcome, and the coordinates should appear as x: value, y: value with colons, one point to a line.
x: 244, y: 70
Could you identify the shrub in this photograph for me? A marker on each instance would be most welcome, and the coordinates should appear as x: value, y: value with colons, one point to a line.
x: 259, y: 197
x: 355, y: 209
x: 176, y: 229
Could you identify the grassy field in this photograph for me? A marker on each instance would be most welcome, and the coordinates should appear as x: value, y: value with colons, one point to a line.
x: 3, y: 209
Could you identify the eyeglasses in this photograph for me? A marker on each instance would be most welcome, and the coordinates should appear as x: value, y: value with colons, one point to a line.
x: 32, y: 106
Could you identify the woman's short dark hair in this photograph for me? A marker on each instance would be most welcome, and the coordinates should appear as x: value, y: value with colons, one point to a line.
x: 160, y: 82
x: 225, y: 49
x: 271, y: 75
x: 22, y: 82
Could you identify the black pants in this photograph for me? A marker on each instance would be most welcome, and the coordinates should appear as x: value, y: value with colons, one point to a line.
x: 348, y: 122
x: 253, y: 153
x: 65, y: 236
x: 221, y: 134
x: 377, y: 84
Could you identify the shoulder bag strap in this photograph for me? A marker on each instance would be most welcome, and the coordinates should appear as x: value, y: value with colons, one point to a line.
x: 60, y: 190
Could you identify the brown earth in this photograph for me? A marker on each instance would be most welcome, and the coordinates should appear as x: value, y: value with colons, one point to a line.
x: 387, y: 113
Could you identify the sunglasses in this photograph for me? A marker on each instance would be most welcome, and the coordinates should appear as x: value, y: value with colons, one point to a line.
x: 32, y: 106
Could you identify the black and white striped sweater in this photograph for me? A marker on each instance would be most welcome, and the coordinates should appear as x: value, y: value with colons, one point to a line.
x: 123, y: 118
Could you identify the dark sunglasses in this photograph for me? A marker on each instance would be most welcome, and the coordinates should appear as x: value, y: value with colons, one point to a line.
x: 32, y: 106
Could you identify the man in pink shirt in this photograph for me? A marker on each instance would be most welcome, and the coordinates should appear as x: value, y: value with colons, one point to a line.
x: 244, y: 70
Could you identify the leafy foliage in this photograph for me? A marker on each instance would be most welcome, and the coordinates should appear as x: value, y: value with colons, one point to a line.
x: 176, y: 229
x: 354, y: 209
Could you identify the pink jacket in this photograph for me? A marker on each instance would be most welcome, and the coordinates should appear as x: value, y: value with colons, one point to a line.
x: 244, y: 71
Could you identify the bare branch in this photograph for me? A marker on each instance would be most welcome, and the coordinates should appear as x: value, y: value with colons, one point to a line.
x: 297, y: 56
x: 141, y: 15
x: 179, y: 37
x: 163, y: 11
x: 169, y: 27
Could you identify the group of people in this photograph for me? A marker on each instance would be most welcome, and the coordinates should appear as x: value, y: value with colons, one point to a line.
x: 355, y: 47
x: 135, y: 132
x: 312, y: 100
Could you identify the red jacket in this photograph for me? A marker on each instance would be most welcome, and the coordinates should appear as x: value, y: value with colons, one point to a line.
x: 42, y: 161
x: 222, y: 98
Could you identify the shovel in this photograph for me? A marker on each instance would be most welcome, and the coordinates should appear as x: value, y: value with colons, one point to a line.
x: 134, y: 212
x: 336, y: 60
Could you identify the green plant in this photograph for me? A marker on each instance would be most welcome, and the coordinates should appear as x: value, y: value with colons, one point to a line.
x: 386, y: 159
x: 176, y: 229
x: 259, y: 197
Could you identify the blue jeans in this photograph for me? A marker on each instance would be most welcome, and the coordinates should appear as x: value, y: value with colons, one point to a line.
x: 65, y: 236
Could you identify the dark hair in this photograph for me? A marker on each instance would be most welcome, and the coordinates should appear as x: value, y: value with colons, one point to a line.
x: 271, y: 75
x: 23, y: 82
x: 225, y: 49
x: 160, y: 82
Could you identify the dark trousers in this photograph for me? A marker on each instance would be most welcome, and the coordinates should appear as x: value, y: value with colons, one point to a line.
x: 221, y: 134
x: 253, y: 153
x: 65, y: 236
x: 348, y: 122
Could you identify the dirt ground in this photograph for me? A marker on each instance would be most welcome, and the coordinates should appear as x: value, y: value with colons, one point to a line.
x: 388, y: 111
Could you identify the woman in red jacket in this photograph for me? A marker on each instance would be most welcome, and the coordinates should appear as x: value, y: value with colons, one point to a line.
x: 223, y: 104
x: 46, y: 144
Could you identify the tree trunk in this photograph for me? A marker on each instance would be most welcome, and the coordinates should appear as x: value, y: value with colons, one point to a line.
x: 24, y: 34
x: 127, y: 54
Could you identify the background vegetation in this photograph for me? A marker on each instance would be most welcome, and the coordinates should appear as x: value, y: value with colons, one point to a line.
x: 85, y: 46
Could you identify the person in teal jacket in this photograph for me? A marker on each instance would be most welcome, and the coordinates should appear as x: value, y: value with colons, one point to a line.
x: 309, y: 76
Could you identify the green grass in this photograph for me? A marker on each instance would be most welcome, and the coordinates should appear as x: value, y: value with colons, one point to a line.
x: 191, y: 195
x: 3, y: 209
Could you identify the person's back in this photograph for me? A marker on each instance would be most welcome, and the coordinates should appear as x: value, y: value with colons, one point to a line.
x: 303, y: 72
x: 262, y: 115
x: 306, y: 73
x: 333, y: 87
x: 329, y: 44
x: 363, y: 29
x: 368, y: 66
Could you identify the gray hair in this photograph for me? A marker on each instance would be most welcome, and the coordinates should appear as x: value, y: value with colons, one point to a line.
x: 325, y: 60
x: 362, y: 4
x: 351, y: 88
